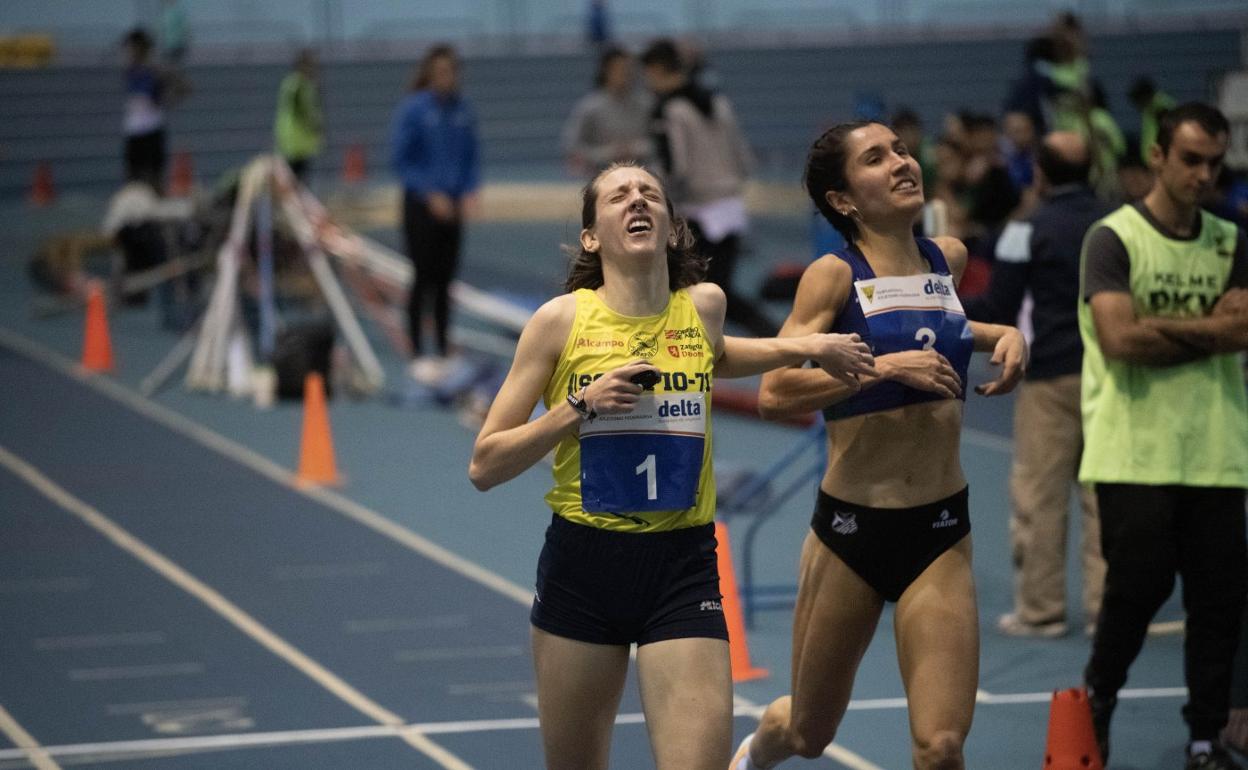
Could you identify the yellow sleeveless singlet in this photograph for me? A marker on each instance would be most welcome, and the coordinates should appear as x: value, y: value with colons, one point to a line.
x: 675, y: 342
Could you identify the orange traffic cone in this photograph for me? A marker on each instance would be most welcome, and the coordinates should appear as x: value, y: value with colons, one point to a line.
x: 316, y: 450
x: 354, y: 165
x: 97, y: 349
x: 181, y: 175
x: 42, y: 188
x: 738, y: 647
x: 1071, y: 743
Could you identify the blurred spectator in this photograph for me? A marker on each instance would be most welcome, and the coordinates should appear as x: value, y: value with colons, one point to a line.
x: 611, y: 123
x: 299, y: 125
x: 175, y: 33
x: 1151, y: 104
x: 697, y: 66
x: 909, y: 129
x: 1040, y: 257
x: 597, y: 24
x: 1019, y: 148
x: 434, y: 152
x: 1228, y: 198
x: 1032, y: 94
x: 990, y: 191
x: 948, y: 186
x: 1070, y: 70
x: 1134, y: 178
x: 143, y: 115
x: 704, y: 157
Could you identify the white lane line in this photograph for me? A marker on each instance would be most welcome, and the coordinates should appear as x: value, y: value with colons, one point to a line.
x: 27, y: 747
x: 222, y: 606
x: 94, y: 641
x: 743, y: 708
x: 266, y: 467
x: 151, y: 671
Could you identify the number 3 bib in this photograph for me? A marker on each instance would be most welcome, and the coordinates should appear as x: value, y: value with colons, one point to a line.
x: 916, y: 311
x: 647, y: 460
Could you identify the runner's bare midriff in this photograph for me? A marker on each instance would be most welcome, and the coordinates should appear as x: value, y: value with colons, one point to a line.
x: 897, y: 458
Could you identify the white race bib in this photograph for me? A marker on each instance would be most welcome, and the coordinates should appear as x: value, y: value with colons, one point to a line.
x: 647, y: 460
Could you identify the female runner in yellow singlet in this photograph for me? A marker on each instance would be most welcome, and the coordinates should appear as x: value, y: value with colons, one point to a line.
x: 625, y: 364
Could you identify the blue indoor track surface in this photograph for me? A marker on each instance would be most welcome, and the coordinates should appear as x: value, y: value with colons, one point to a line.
x: 171, y: 598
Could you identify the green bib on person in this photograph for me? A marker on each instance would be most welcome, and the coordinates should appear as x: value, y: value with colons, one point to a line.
x: 1185, y: 424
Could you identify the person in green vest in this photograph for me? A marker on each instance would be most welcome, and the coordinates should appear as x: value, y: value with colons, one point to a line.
x: 299, y: 127
x: 1163, y: 315
x: 1151, y: 104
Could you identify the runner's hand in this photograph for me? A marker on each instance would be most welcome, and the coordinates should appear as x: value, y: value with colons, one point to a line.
x: 922, y: 369
x: 1011, y: 355
x: 613, y: 392
x: 844, y: 356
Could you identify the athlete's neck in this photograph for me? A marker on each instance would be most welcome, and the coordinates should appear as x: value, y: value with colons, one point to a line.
x: 893, y: 251
x: 1175, y: 216
x: 635, y: 290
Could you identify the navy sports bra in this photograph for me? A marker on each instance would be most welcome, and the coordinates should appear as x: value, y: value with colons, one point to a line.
x: 896, y: 313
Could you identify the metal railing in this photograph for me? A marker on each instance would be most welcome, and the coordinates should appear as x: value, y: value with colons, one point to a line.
x: 87, y: 29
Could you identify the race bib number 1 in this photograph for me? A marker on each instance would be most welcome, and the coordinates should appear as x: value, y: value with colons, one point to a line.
x: 647, y: 460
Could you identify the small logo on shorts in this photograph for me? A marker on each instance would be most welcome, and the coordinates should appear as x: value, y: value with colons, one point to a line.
x: 711, y: 606
x: 844, y: 524
x: 945, y: 521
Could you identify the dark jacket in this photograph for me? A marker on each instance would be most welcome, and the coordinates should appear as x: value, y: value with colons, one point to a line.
x: 1040, y: 256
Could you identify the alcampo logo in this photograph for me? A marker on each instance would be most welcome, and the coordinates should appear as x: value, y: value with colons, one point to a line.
x: 868, y: 292
x: 681, y: 408
x: 934, y: 286
x: 599, y: 342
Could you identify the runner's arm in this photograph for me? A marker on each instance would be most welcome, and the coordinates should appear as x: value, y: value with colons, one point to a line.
x: 509, y: 443
x: 843, y: 355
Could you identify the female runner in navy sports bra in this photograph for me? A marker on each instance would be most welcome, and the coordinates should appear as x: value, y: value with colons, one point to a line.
x: 629, y: 556
x: 890, y: 524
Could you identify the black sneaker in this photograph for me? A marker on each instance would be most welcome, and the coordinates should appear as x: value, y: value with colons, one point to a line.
x: 1216, y: 758
x: 1102, y: 711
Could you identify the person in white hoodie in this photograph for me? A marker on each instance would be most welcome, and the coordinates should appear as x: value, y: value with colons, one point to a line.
x: 705, y: 161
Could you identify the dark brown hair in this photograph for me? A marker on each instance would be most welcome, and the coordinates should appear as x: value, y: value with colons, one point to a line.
x: 685, y: 264
x: 825, y: 170
x: 424, y: 71
x: 1210, y: 119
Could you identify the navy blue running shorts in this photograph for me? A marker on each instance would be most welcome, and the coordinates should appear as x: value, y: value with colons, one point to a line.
x: 619, y: 588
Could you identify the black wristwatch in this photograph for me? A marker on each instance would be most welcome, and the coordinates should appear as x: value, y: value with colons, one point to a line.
x: 582, y: 406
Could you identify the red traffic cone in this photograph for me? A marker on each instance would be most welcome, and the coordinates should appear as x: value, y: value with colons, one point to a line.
x: 316, y: 449
x: 181, y: 175
x: 97, y: 348
x: 1071, y: 744
x: 738, y: 647
x: 354, y: 165
x: 42, y: 188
